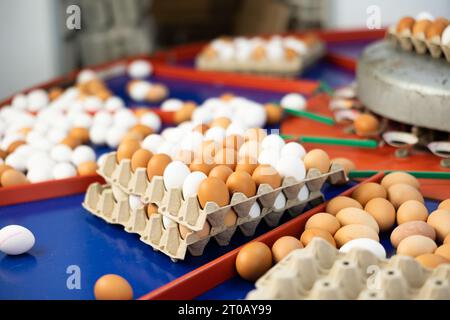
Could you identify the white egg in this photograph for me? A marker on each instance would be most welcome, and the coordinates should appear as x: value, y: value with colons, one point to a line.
x: 114, y: 103
x: 103, y: 118
x: 202, y: 116
x: 138, y: 90
x: 135, y: 202
x: 125, y: 118
x: 56, y: 135
x: 40, y: 127
x: 273, y: 141
x: 168, y: 148
x: 40, y: 159
x: 19, y: 102
x: 174, y: 135
x: 83, y: 154
x: 82, y: 120
x: 101, y: 160
x: 280, y: 202
x: 61, y: 153
x: 215, y: 134
x: 275, y: 52
x: 293, y: 101
x: 270, y: 157
x: 370, y: 245
x: 9, y: 139
x: 86, y: 75
x: 291, y: 167
x: 118, y: 193
x: 167, y: 222
x: 303, y: 194
x: 192, y: 141
x: 293, y: 149
x: 250, y: 149
x: 255, y: 210
x: 152, y: 142
x: 445, y: 36
x: 43, y: 145
x: 235, y: 128
x: 114, y: 136
x: 97, y: 134
x: 175, y: 174
x: 424, y: 15
x: 39, y: 174
x: 152, y: 120
x: 25, y: 150
x: 37, y: 100
x: 140, y: 69
x: 172, y: 105
x: 15, y: 240
x: 92, y: 104
x: 296, y: 44
x: 64, y: 170
x: 191, y: 184
x: 16, y: 161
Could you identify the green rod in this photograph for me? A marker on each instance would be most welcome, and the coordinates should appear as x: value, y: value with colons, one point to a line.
x: 359, y: 143
x: 441, y: 175
x: 312, y: 116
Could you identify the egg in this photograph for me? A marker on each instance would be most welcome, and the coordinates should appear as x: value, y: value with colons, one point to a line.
x: 293, y: 149
x: 440, y: 221
x: 242, y: 182
x: 354, y: 231
x: 399, y: 177
x: 253, y: 260
x: 348, y: 216
x: 415, y: 246
x: 112, y: 287
x: 317, y: 159
x: 191, y: 184
x: 274, y: 113
x: 345, y: 163
x: 172, y: 105
x: 184, y: 113
x: 445, y: 36
x: 87, y: 168
x: 247, y: 164
x: 61, y: 153
x: 265, y: 174
x: 226, y: 156
x: 369, y: 191
x: 151, y: 209
x: 444, y: 251
x: 222, y: 122
x: 16, y: 240
x: 11, y: 177
x: 157, y: 165
x: 280, y: 202
x: 255, y: 211
x: 81, y: 134
x: 140, y: 159
x: 142, y: 129
x: 138, y: 90
x: 152, y: 120
x: 250, y: 149
x: 341, y: 202
x: 152, y: 143
x: 83, y: 154
x: 13, y: 146
x: 324, y: 221
x: 436, y: 28
x: 222, y: 172
x: 135, y: 202
x: 233, y: 141
x: 273, y: 142
x: 291, y: 167
x: 405, y: 24
x: 230, y: 219
x: 255, y: 134
x: 174, y: 175
x: 370, y: 245
x: 283, y: 246
x: 213, y: 190
x: 445, y: 205
x: 412, y: 228
x: 420, y: 28
x: 140, y: 69
x: 157, y: 92
x: 64, y: 170
x: 269, y: 156
x: 312, y: 233
x: 113, y: 104
x: 293, y: 101
x: 382, y: 211
x: 430, y: 260
x: 412, y: 210
x: 202, y: 128
x: 366, y: 125
x: 400, y: 193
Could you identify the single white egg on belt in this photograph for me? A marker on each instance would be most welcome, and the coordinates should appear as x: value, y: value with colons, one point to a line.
x: 61, y: 153
x: 255, y: 210
x: 293, y: 149
x: 152, y: 120
x: 15, y: 240
x: 114, y: 136
x: 172, y: 105
x: 97, y: 134
x: 92, y: 104
x: 114, y: 103
x: 140, y: 69
x: 303, y: 194
x: 82, y: 154
x: 192, y: 141
x: 152, y: 142
x: 19, y: 102
x: 215, y: 134
x: 175, y: 174
x: 270, y: 157
x: 64, y: 170
x: 40, y: 174
x: 86, y: 75
x: 139, y: 90
x: 280, y: 202
x: 273, y: 141
x: 293, y: 101
x: 135, y: 202
x: 291, y: 167
x: 370, y: 245
x: 191, y: 184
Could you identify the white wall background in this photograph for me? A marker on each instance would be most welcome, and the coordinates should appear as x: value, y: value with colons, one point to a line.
x: 352, y: 13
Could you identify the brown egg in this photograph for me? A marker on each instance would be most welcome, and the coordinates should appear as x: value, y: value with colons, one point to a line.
x: 440, y: 221
x: 54, y: 93
x: 227, y: 96
x: 348, y: 216
x: 140, y: 159
x: 430, y: 260
x: 11, y: 177
x: 445, y: 205
x: 13, y: 146
x: 81, y: 134
x: 324, y: 221
x: 341, y: 202
x: 283, y: 246
x: 184, y: 113
x: 222, y: 122
x: 253, y: 260
x: 405, y: 24
x: 213, y: 190
x: 447, y: 239
x: 290, y: 54
x: 157, y: 165
x: 184, y: 231
x: 258, y: 53
x: 444, y: 251
x: 242, y: 182
x: 230, y: 219
x: 400, y: 193
x: 71, y: 142
x: 200, y: 165
x: 185, y: 156
x: 247, y: 164
x: 204, y: 233
x: 208, y: 150
x: 142, y: 129
x: 420, y: 28
x: 436, y: 28
x: 157, y: 92
x: 134, y: 136
x: 222, y: 172
x: 3, y: 154
x: 151, y: 209
x: 112, y: 287
x: 266, y: 174
x: 3, y: 168
x: 399, y: 177
x: 274, y: 113
x: 317, y: 159
x: 366, y: 125
x: 382, y: 211
x: 345, y: 163
x: 127, y: 149
x: 202, y: 128
x: 233, y: 142
x: 415, y: 246
x: 412, y: 228
x: 412, y: 210
x: 139, y: 112
x: 255, y: 134
x: 369, y: 191
x: 104, y: 95
x: 87, y: 168
x: 226, y: 156
x: 354, y: 231
x: 312, y: 233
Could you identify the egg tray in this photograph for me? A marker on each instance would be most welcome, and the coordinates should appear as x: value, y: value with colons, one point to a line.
x: 422, y: 47
x: 320, y: 271
x: 188, y: 211
x: 102, y: 201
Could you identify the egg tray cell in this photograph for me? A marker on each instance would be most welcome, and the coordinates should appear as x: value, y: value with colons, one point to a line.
x: 422, y: 47
x: 102, y: 202
x: 188, y: 212
x: 320, y: 271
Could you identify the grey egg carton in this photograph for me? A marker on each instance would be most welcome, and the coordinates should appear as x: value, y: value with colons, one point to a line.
x: 320, y: 271
x: 188, y: 211
x: 408, y: 42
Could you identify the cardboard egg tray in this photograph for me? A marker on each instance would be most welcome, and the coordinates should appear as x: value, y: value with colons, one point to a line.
x: 320, y: 271
x: 409, y: 43
x: 112, y: 205
x: 188, y: 211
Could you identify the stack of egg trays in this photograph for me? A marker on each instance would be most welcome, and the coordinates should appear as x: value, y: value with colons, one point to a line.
x: 124, y: 182
x: 320, y: 271
x: 410, y: 43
